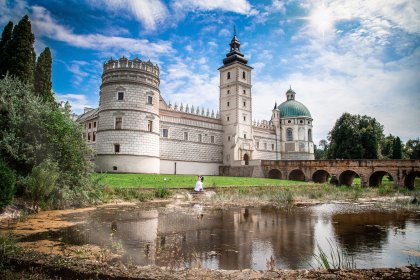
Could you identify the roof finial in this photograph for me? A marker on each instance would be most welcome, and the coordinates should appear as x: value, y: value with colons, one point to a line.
x: 234, y: 30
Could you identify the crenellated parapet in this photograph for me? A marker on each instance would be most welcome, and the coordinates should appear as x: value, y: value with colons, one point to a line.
x: 194, y: 110
x: 135, y: 71
x: 263, y: 124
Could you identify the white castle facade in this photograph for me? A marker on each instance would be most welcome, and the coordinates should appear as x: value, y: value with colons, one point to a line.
x: 135, y: 131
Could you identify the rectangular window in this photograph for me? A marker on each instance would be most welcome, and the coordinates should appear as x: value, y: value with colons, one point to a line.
x: 165, y: 133
x: 244, y: 118
x: 89, y: 136
x: 212, y: 139
x: 228, y: 92
x: 244, y: 104
x: 120, y: 95
x: 150, y: 126
x: 228, y: 103
x: 94, y: 124
x: 185, y: 135
x: 118, y: 123
x: 149, y: 100
x: 265, y: 146
x: 272, y: 147
x: 200, y: 138
x: 90, y: 125
x: 244, y: 91
x: 227, y: 118
x: 244, y: 136
x: 228, y: 138
x: 116, y: 148
x: 94, y: 136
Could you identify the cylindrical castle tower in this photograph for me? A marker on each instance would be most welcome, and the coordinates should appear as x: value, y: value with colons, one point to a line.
x: 128, y: 126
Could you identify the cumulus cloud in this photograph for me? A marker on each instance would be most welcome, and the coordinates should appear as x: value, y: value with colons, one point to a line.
x: 45, y: 25
x: 150, y: 13
x: 77, y: 101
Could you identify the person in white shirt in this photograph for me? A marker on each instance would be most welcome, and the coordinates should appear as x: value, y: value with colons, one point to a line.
x: 198, y: 185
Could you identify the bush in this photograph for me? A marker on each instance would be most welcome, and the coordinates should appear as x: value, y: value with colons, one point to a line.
x: 162, y: 192
x: 42, y: 181
x: 7, y: 185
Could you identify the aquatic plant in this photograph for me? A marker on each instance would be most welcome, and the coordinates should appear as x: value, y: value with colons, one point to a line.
x: 337, y: 259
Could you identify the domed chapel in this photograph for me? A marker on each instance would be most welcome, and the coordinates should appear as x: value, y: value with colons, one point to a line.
x: 135, y: 131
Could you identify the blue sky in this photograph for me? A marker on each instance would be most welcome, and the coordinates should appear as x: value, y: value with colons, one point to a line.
x: 355, y: 56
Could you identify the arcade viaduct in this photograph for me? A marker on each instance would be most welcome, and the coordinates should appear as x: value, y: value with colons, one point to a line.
x: 342, y: 172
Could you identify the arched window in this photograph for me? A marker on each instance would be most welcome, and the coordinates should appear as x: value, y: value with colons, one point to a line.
x: 243, y: 75
x: 310, y: 135
x: 246, y: 159
x: 289, y: 134
x: 228, y: 75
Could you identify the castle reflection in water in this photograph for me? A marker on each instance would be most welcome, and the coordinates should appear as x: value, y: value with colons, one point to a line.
x: 238, y: 238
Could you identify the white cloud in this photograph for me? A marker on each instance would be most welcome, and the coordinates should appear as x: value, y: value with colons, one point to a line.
x: 150, y: 13
x: 77, y: 101
x: 235, y: 6
x: 12, y: 10
x: 45, y: 25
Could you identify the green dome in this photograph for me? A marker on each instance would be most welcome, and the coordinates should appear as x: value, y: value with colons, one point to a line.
x: 293, y: 108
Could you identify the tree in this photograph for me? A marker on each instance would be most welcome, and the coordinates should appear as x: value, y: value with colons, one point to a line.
x: 6, y: 37
x: 396, y: 149
x: 355, y: 137
x: 20, y: 52
x: 42, y: 83
x: 413, y: 148
x: 386, y: 145
x: 7, y: 185
x: 321, y: 151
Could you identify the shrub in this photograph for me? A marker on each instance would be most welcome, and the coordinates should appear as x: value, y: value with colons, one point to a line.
x: 7, y: 185
x: 41, y: 182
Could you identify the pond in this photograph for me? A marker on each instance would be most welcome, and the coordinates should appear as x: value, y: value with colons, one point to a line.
x: 248, y: 237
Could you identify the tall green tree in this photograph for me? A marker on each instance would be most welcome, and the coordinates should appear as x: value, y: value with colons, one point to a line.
x: 355, y: 137
x: 20, y: 52
x: 42, y: 83
x: 387, y: 146
x: 396, y: 149
x: 6, y: 37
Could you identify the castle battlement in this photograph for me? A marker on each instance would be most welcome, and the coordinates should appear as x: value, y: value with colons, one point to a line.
x: 194, y: 111
x: 263, y: 124
x: 125, y: 63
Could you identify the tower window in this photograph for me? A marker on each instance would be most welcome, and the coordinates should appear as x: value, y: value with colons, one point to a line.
x: 272, y: 147
x: 150, y: 126
x: 301, y: 121
x: 265, y: 146
x: 150, y: 100
x: 200, y: 138
x: 289, y: 134
x: 243, y: 75
x: 116, y: 148
x: 94, y: 136
x: 118, y: 123
x: 244, y: 118
x: 165, y: 133
x: 228, y: 75
x: 228, y: 103
x: 228, y: 92
x: 244, y: 91
x: 309, y: 135
x: 185, y: 135
x: 94, y: 124
x: 257, y: 144
x: 212, y: 139
x: 227, y: 118
x: 244, y: 103
x: 120, y: 96
x: 244, y: 136
x: 90, y: 125
x: 228, y: 138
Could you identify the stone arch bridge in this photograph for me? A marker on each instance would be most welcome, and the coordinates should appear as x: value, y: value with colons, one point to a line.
x: 342, y: 172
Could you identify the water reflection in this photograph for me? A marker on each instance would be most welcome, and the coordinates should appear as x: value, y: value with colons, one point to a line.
x: 248, y: 237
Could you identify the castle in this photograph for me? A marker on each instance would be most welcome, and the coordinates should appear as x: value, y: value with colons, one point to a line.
x: 135, y: 131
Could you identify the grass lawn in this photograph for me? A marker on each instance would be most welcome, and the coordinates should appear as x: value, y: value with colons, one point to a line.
x: 185, y: 181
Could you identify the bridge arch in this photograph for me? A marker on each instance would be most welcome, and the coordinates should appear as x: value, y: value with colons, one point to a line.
x: 346, y: 177
x: 375, y: 179
x: 409, y: 179
x: 274, y: 174
x: 320, y: 176
x: 297, y: 175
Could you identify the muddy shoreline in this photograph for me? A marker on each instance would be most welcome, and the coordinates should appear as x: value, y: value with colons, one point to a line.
x: 49, y: 261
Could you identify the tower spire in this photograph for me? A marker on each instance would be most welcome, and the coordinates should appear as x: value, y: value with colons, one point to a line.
x: 234, y: 30
x: 235, y: 51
